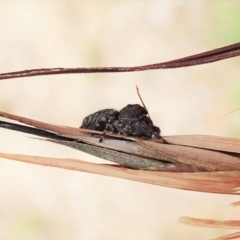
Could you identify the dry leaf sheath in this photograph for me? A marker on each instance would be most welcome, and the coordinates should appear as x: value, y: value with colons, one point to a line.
x: 199, y: 163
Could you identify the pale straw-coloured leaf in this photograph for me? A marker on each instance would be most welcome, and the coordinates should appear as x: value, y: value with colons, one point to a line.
x: 213, y: 182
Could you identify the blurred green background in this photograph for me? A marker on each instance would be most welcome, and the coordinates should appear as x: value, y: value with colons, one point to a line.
x: 45, y: 203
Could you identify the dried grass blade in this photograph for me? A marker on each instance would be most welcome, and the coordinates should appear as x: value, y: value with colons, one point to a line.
x: 215, y: 182
x: 207, y: 159
x: 207, y: 142
x: 235, y: 204
x: 218, y: 54
x: 233, y: 224
x: 232, y: 236
x: 64, y: 131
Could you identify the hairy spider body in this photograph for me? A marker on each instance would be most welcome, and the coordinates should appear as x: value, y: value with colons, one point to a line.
x: 132, y: 120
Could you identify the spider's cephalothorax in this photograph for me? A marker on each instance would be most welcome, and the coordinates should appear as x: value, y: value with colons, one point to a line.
x: 132, y: 111
x: 132, y: 120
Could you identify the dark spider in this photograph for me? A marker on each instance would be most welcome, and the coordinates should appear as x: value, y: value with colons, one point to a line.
x: 132, y: 120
